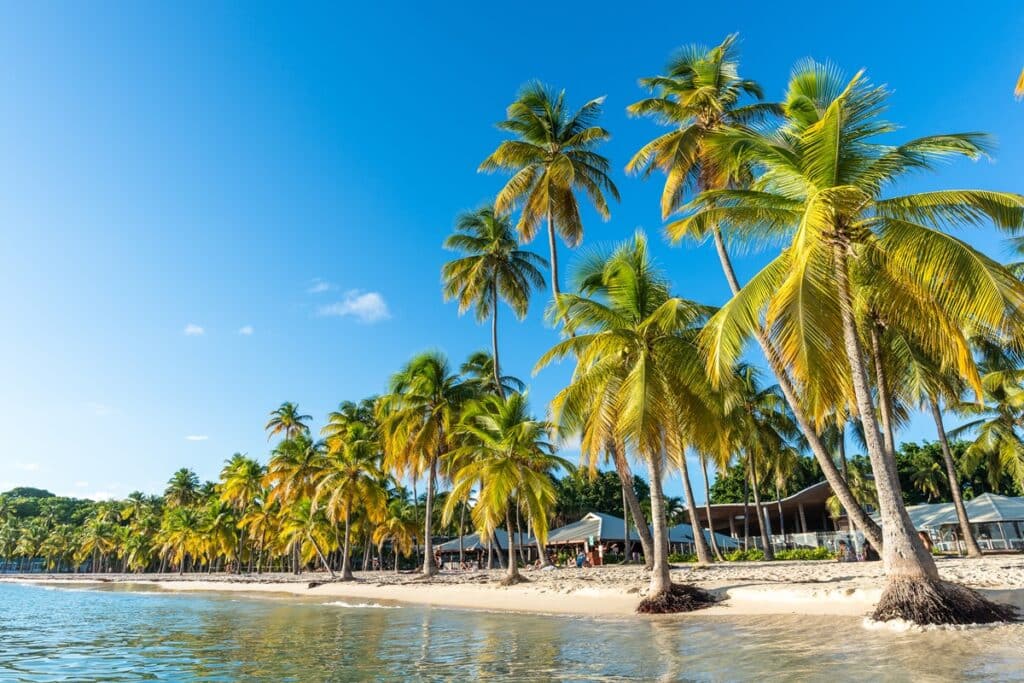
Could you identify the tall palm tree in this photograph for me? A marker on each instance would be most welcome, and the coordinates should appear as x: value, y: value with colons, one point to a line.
x: 479, y: 369
x: 509, y: 458
x: 417, y: 419
x: 996, y: 424
x: 351, y: 480
x: 823, y: 176
x: 551, y: 158
x: 701, y: 97
x: 304, y: 527
x: 398, y: 527
x: 492, y: 268
x: 637, y: 342
x: 182, y: 489
x: 287, y: 421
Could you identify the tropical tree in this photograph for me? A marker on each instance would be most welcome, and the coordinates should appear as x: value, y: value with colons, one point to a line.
x: 478, y: 370
x: 823, y: 177
x: 701, y: 98
x: 398, y: 527
x: 287, y: 421
x: 182, y: 488
x: 305, y: 528
x: 492, y: 268
x: 508, y: 456
x: 632, y: 340
x: 351, y: 480
x: 551, y: 158
x: 417, y: 419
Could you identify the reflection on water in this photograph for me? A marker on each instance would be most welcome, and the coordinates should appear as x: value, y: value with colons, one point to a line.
x: 117, y: 634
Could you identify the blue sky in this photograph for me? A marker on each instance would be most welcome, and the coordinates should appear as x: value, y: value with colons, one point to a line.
x: 207, y: 211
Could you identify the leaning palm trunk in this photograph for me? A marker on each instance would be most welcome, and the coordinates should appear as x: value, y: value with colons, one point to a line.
x: 662, y: 595
x: 703, y: 554
x: 639, y: 519
x: 766, y: 540
x: 462, y: 535
x: 954, y: 483
x: 429, y: 568
x: 707, y: 511
x: 346, y: 548
x: 828, y: 468
x: 553, y: 249
x: 320, y: 554
x: 512, y: 576
x: 914, y: 591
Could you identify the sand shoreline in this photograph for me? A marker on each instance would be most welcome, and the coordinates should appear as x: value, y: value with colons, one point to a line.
x: 801, y: 588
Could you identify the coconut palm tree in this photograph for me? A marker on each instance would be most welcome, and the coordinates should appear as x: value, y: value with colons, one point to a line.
x: 701, y: 97
x: 348, y: 413
x: 823, y: 177
x: 417, y: 418
x: 551, y: 158
x: 479, y: 371
x: 996, y: 424
x: 351, y: 480
x: 492, y: 268
x: 182, y: 488
x: 398, y: 527
x: 180, y: 535
x: 635, y: 341
x: 508, y: 456
x: 304, y: 527
x: 287, y: 421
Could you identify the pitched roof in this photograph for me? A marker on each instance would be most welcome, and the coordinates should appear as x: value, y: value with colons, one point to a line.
x: 604, y: 527
x: 473, y: 542
x: 988, y: 507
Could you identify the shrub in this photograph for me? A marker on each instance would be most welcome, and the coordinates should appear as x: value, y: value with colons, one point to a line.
x: 752, y: 555
x: 805, y: 554
x: 682, y: 557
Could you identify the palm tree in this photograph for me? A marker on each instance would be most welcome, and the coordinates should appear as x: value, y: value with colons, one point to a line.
x: 508, y: 456
x: 301, y: 523
x: 182, y: 489
x: 287, y: 421
x: 417, y: 418
x: 822, y: 181
x: 479, y: 370
x: 294, y: 468
x: 551, y: 159
x: 636, y: 342
x: 180, y: 533
x: 492, y: 268
x: 351, y: 481
x: 398, y: 527
x: 702, y: 97
x: 996, y: 424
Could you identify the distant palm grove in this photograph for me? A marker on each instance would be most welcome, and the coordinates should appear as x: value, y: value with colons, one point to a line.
x: 870, y: 307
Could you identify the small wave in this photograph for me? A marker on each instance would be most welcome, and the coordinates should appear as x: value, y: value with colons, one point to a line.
x: 904, y: 626
x: 360, y: 605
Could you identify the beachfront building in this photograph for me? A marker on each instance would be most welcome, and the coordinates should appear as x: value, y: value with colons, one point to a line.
x: 598, y: 535
x: 475, y: 549
x: 997, y: 522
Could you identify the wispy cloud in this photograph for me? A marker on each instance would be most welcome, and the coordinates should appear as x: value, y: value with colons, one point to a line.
x: 27, y: 466
x: 319, y: 286
x: 196, y: 437
x: 570, y: 443
x: 99, y: 409
x: 193, y: 330
x: 246, y: 330
x: 366, y: 307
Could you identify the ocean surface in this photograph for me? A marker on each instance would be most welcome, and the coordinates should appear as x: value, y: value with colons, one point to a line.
x: 125, y: 633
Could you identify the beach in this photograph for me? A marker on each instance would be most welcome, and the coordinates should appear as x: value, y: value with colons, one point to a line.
x: 745, y: 588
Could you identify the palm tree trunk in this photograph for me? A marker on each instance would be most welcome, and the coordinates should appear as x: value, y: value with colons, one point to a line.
x: 782, y: 520
x: 346, y: 562
x: 639, y: 519
x: 494, y: 342
x: 429, y: 568
x: 766, y: 540
x: 746, y: 513
x: 954, y: 483
x: 707, y: 511
x: 512, y: 575
x: 553, y: 249
x: 703, y: 554
x: 904, y: 554
x: 462, y: 530
x: 541, y: 550
x: 395, y: 546
x: 320, y: 554
x: 828, y: 468
x: 625, y: 528
x: 661, y: 581
x: 884, y: 397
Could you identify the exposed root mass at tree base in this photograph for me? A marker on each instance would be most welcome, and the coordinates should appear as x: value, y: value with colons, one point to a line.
x: 679, y: 598
x: 513, y: 580
x: 931, y: 602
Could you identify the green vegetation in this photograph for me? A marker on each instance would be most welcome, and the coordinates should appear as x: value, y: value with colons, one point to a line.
x: 868, y: 308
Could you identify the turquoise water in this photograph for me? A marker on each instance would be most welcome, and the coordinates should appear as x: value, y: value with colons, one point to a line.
x: 123, y: 634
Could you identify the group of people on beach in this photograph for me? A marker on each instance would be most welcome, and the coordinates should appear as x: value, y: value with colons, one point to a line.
x: 846, y: 552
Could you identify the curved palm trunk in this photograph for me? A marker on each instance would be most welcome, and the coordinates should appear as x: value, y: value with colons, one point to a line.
x: 707, y: 511
x: 903, y: 552
x: 494, y: 341
x: 462, y: 532
x: 766, y: 540
x: 703, y: 554
x: 625, y: 528
x: 838, y: 485
x: 512, y: 575
x: 320, y: 554
x: 639, y: 519
x: 429, y: 568
x: 346, y: 548
x: 954, y: 483
x: 884, y: 397
x: 661, y: 581
x: 553, y: 248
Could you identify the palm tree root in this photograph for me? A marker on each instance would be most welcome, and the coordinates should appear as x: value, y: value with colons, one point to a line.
x: 514, y: 579
x: 679, y: 597
x: 930, y: 601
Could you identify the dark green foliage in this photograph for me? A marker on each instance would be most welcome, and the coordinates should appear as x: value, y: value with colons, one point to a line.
x: 579, y: 494
x: 729, y: 488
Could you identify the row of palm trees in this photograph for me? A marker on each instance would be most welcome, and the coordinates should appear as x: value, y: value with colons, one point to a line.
x: 868, y: 308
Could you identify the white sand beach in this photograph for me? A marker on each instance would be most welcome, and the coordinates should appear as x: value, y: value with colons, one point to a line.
x: 812, y: 588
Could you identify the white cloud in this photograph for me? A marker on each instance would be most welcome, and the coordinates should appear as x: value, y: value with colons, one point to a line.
x: 570, y: 443
x: 246, y: 330
x: 366, y: 307
x: 193, y: 330
x: 319, y: 286
x: 196, y: 437
x: 27, y: 466
x: 101, y: 495
x: 81, y: 484
x: 99, y: 409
